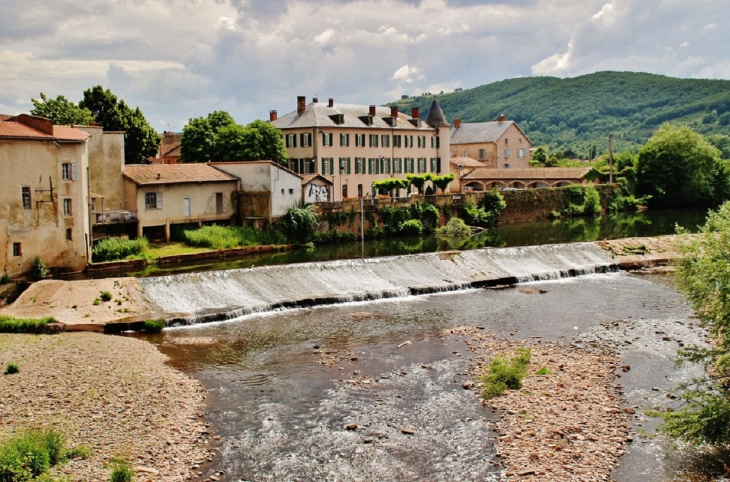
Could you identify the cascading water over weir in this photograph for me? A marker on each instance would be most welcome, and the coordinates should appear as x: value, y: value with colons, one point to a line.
x: 219, y: 295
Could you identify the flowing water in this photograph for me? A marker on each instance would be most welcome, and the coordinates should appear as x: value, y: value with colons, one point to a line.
x: 371, y: 390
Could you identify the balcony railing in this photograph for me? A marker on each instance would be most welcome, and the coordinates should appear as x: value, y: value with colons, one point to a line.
x: 115, y: 217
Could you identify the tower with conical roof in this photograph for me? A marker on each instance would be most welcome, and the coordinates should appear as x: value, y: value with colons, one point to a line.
x: 437, y: 120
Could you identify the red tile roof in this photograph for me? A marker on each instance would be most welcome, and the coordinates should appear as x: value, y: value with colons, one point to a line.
x: 466, y: 162
x: 175, y: 174
x: 18, y: 130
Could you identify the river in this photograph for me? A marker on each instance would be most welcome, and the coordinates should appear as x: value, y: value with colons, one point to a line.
x: 280, y: 400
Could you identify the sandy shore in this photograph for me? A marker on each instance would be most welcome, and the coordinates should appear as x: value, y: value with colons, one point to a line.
x: 110, y: 393
x: 564, y: 426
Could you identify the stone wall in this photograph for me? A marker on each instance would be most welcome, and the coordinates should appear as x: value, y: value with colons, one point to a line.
x: 532, y: 204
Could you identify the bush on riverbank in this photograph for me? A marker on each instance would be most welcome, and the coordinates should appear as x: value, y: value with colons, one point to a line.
x: 121, y: 471
x: 8, y: 324
x: 154, y: 326
x: 113, y: 249
x: 504, y: 373
x: 29, y: 454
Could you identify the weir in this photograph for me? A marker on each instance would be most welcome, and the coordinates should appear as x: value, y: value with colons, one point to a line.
x: 220, y: 295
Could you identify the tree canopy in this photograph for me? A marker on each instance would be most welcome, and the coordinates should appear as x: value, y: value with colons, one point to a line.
x: 102, y: 107
x: 678, y: 167
x: 217, y: 137
x: 61, y: 111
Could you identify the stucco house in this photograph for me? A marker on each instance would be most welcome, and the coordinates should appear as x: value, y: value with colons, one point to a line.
x: 266, y: 188
x: 43, y: 195
x: 166, y: 195
x: 500, y: 144
x: 355, y: 145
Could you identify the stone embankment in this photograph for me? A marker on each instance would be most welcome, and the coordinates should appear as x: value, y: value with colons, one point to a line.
x: 113, y: 394
x: 566, y: 425
x: 639, y: 253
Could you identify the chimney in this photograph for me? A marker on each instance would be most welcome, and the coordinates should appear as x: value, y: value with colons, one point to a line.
x: 273, y: 115
x: 372, y: 110
x: 393, y: 111
x: 315, y: 100
x: 414, y: 113
x: 331, y: 103
x: 501, y: 118
x: 457, y: 123
x: 301, y: 104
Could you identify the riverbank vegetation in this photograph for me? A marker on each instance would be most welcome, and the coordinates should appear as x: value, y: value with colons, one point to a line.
x: 703, y: 275
x: 506, y: 373
x: 29, y: 454
x: 9, y: 324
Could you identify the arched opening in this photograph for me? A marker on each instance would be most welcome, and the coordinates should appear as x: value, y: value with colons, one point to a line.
x: 517, y: 185
x: 538, y: 185
x: 562, y: 184
x: 474, y: 186
x: 500, y: 185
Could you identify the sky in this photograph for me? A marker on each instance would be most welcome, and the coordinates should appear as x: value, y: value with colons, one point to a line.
x: 178, y: 59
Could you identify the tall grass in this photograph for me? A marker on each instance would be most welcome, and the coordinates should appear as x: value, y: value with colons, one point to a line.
x: 8, y: 324
x: 227, y: 237
x: 112, y: 249
x: 30, y: 454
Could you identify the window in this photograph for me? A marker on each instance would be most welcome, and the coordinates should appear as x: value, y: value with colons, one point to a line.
x: 344, y: 140
x: 186, y: 206
x: 433, y: 165
x: 359, y: 140
x: 359, y: 190
x: 69, y: 234
x: 506, y: 153
x: 344, y: 191
x: 309, y: 166
x: 326, y: 139
x: 328, y: 165
x: 506, y: 166
x: 482, y: 153
x: 291, y: 140
x: 291, y: 191
x: 358, y: 165
x: 421, y: 164
x: 26, y: 197
x: 153, y: 200
x: 435, y: 142
x: 464, y: 153
x: 372, y: 166
x: 66, y: 171
x: 506, y: 141
x: 343, y: 165
x: 17, y: 250
x: 397, y: 140
x: 385, y: 165
x: 306, y: 139
x: 409, y: 141
x: 373, y: 140
x: 385, y: 140
x: 421, y: 142
x: 67, y: 211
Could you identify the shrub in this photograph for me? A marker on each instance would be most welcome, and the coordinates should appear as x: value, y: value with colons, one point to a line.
x: 30, y: 454
x: 121, y: 472
x: 592, y: 202
x: 4, y: 279
x: 113, y: 249
x: 8, y: 324
x: 11, y: 369
x: 79, y: 452
x: 299, y: 223
x: 456, y: 227
x: 154, y: 326
x: 38, y: 270
x: 494, y: 202
x: 96, y: 302
x: 475, y: 215
x: 105, y: 296
x: 505, y: 374
x: 412, y: 227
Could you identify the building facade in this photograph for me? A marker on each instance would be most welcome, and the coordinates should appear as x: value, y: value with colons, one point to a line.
x: 44, y: 195
x: 355, y: 145
x: 500, y: 144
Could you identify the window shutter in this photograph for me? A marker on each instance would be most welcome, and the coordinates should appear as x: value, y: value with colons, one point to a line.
x: 329, y: 136
x: 74, y: 172
x: 322, y: 171
x: 332, y: 165
x: 159, y: 200
x: 438, y: 165
x: 348, y: 165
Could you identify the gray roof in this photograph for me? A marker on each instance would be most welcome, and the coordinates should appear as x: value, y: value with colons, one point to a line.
x: 479, y: 132
x: 436, y: 117
x: 318, y: 114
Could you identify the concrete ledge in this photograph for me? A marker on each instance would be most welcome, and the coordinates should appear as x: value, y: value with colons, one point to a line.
x: 116, y: 265
x: 223, y: 253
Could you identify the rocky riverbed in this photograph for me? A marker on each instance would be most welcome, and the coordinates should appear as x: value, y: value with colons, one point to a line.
x: 566, y: 425
x: 113, y: 394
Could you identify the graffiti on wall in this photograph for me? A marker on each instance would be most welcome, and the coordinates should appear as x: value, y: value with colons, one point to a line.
x: 317, y: 194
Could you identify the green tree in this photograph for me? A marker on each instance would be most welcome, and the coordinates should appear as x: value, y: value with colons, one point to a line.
x: 237, y: 143
x: 442, y: 182
x: 678, y: 167
x: 703, y: 275
x: 141, y: 140
x: 540, y: 155
x: 272, y: 143
x: 61, y: 111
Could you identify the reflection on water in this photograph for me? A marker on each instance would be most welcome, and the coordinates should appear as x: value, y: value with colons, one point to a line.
x: 282, y: 397
x: 613, y: 226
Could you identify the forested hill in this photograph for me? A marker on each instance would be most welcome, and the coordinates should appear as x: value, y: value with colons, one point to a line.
x: 579, y: 113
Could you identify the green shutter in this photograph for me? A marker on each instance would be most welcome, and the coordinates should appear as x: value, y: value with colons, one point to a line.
x: 348, y: 165
x: 438, y: 143
x: 438, y: 165
x: 332, y: 165
x: 322, y: 171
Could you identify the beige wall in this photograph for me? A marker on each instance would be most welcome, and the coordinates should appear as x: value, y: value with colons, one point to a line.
x: 513, y: 139
x: 41, y: 230
x: 202, y: 203
x: 106, y: 163
x: 352, y: 180
x: 285, y: 188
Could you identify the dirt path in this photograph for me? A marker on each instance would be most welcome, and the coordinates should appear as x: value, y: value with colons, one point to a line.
x: 110, y: 393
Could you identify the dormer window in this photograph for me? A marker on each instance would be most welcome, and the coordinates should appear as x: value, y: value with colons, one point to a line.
x: 391, y: 121
x: 367, y: 120
x: 338, y: 119
x: 415, y: 121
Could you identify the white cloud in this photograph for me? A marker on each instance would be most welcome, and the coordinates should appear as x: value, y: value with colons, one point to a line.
x: 406, y: 73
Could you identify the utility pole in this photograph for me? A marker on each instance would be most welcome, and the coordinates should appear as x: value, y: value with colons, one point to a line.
x: 610, y: 158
